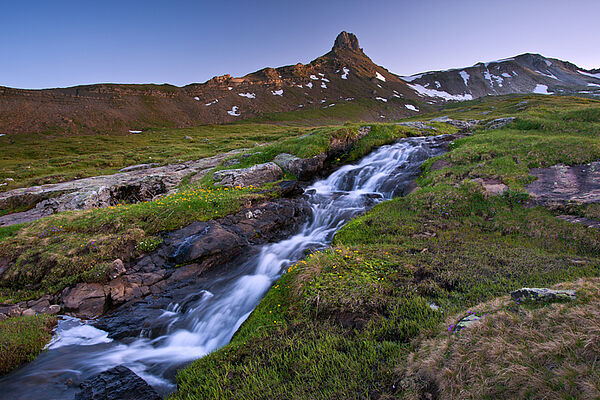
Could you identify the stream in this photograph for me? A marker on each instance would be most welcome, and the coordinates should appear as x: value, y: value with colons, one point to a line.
x: 188, y: 322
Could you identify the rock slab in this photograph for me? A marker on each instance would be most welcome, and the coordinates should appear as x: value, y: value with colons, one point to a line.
x: 542, y: 294
x: 118, y: 383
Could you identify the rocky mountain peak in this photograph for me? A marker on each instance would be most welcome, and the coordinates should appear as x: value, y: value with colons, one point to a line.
x: 347, y: 41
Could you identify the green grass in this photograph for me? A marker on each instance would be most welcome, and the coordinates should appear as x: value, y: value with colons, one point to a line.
x: 34, y: 159
x: 22, y: 339
x: 339, y: 323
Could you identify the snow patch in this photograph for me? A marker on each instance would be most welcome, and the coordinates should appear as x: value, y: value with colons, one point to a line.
x: 325, y: 80
x: 379, y: 76
x: 549, y: 75
x: 382, y: 99
x: 589, y: 84
x: 465, y: 76
x: 588, y: 74
x: 314, y: 78
x: 548, y: 63
x: 411, y: 78
x: 506, y: 75
x: 130, y: 131
x: 277, y: 92
x: 215, y: 101
x: 411, y: 107
x: 541, y: 89
x: 323, y: 85
x: 438, y: 85
x: 345, y: 74
x: 248, y: 95
x: 309, y: 85
x: 234, y: 111
x: 229, y: 88
x: 197, y: 98
x: 398, y: 96
x: 439, y: 93
x: 2, y: 134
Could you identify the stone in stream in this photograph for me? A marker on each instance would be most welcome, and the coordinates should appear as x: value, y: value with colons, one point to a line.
x: 303, y: 168
x: 118, y: 383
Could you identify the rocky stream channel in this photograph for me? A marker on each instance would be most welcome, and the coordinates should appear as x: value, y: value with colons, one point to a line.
x: 199, y: 306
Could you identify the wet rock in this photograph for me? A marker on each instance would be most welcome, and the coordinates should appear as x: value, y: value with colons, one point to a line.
x: 542, y: 294
x: 303, y: 168
x: 253, y: 176
x: 562, y: 185
x: 289, y: 189
x: 85, y: 299
x: 118, y: 383
x: 117, y: 269
x: 492, y: 187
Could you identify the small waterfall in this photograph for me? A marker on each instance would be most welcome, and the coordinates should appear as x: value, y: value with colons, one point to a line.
x: 207, y: 318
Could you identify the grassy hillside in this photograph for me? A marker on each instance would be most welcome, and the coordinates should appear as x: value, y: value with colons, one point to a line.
x: 343, y: 322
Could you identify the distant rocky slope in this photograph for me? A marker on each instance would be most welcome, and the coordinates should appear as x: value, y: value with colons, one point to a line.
x: 344, y: 75
x: 526, y: 73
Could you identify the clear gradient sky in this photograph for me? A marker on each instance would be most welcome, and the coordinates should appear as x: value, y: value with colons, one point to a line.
x: 63, y: 43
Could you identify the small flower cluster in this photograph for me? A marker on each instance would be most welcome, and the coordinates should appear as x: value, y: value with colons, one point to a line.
x: 52, y: 231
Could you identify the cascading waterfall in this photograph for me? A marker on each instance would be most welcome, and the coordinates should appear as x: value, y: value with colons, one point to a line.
x: 206, y: 316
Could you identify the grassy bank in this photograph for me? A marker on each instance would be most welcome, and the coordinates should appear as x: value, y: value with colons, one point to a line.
x: 342, y: 323
x: 22, y: 339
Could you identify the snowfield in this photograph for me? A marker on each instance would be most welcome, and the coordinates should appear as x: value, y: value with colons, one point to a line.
x: 439, y: 93
x: 248, y: 95
x: 465, y: 76
x: 277, y: 92
x: 541, y: 89
x: 411, y: 107
x: 379, y: 76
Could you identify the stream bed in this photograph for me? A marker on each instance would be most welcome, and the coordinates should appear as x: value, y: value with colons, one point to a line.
x: 191, y: 320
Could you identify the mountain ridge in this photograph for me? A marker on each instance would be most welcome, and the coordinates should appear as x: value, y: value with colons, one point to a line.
x: 344, y: 75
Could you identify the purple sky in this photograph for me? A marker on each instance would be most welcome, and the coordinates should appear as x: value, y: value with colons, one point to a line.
x: 64, y: 43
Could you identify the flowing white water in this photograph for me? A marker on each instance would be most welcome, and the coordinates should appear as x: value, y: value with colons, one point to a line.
x: 193, y: 328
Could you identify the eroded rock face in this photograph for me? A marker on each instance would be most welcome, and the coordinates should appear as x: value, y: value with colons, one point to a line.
x: 134, y: 184
x: 253, y: 176
x: 118, y: 383
x: 562, y: 185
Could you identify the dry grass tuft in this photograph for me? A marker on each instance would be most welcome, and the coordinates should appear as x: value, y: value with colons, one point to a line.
x: 549, y: 351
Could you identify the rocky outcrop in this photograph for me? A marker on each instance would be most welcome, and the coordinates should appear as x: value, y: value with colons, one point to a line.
x: 256, y: 175
x: 347, y: 41
x: 186, y: 254
x: 562, y: 185
x: 137, y: 184
x: 542, y: 294
x: 492, y: 187
x: 118, y: 383
x: 303, y: 168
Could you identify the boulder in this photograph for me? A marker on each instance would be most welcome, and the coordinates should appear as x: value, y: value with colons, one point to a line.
x: 303, y: 168
x: 53, y: 309
x: 542, y: 294
x: 256, y: 175
x: 29, y: 312
x: 466, y: 322
x: 118, y: 383
x: 85, y: 299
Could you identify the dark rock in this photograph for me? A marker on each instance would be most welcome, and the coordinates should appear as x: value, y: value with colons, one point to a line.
x: 346, y: 41
x: 542, y: 294
x: 289, y: 189
x: 590, y: 223
x: 562, y: 185
x: 118, y: 383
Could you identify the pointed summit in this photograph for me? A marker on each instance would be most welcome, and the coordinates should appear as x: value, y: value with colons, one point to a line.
x: 347, y: 41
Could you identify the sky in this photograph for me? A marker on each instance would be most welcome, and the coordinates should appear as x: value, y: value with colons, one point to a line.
x: 65, y: 43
